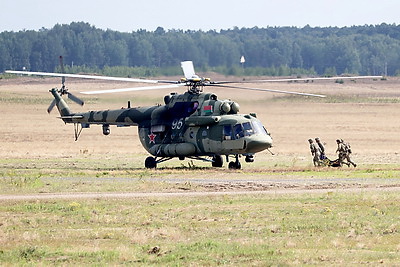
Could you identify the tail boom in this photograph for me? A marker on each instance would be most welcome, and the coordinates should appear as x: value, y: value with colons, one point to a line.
x: 60, y: 103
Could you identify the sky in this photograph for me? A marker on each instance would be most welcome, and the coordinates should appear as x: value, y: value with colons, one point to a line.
x: 132, y: 15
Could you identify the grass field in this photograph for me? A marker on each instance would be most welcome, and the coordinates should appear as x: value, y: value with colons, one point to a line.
x: 283, y: 229
x: 336, y: 227
x: 93, y: 174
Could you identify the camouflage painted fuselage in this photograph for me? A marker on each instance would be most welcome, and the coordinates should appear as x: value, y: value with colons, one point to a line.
x: 187, y: 125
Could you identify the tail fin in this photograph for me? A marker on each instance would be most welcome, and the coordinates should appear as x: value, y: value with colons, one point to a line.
x: 60, y: 103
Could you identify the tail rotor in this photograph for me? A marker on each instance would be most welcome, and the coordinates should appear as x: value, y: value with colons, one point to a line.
x: 64, y: 91
x: 52, y: 104
x: 75, y: 99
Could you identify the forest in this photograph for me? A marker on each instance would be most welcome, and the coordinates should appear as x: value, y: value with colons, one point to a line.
x: 275, y: 51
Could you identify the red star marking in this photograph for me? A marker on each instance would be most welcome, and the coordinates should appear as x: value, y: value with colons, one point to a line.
x: 152, y: 138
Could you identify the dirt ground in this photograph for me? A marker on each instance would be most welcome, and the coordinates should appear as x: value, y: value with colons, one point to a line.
x: 365, y: 113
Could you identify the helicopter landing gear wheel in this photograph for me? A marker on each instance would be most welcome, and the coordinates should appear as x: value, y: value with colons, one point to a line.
x: 217, y: 161
x: 235, y: 164
x: 150, y: 163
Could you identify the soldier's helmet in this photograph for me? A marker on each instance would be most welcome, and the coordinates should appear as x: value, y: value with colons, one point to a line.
x: 310, y: 140
x: 317, y: 139
x: 338, y: 141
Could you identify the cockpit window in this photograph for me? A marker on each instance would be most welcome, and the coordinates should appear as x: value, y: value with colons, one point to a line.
x: 238, y: 131
x: 259, y: 128
x: 248, y: 130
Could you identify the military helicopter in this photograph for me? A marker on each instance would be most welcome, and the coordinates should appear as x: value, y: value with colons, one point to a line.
x: 196, y: 124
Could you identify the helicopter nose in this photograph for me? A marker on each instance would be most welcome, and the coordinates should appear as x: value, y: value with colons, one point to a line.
x: 259, y: 144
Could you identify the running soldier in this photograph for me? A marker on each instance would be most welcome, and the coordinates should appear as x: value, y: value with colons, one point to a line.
x: 315, y: 152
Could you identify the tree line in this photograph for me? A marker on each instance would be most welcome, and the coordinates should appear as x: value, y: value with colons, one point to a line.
x: 363, y: 50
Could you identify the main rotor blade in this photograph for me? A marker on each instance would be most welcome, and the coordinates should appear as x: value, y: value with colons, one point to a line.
x: 52, y: 104
x: 121, y: 79
x: 267, y: 90
x: 311, y: 79
x: 188, y: 69
x: 134, y: 89
x: 75, y: 99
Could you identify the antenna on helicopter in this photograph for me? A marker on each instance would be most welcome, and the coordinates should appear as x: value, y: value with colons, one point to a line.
x: 63, y: 90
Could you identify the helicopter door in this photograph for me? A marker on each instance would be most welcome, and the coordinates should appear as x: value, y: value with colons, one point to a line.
x: 211, y: 136
x: 232, y: 137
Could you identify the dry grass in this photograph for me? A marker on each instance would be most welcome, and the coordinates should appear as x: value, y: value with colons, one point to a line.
x: 333, y: 229
x: 353, y: 112
x: 37, y: 151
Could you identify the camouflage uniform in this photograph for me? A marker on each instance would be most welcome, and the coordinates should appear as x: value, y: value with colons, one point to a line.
x: 348, y: 152
x: 321, y: 147
x: 344, y: 153
x: 341, y: 149
x: 315, y: 152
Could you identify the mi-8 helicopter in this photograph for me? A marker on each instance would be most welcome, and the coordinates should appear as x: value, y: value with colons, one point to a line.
x: 193, y: 125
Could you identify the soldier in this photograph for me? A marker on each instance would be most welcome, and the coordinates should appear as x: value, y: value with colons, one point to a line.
x: 348, y: 152
x: 321, y: 147
x: 344, y: 153
x: 341, y: 149
x: 315, y: 152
